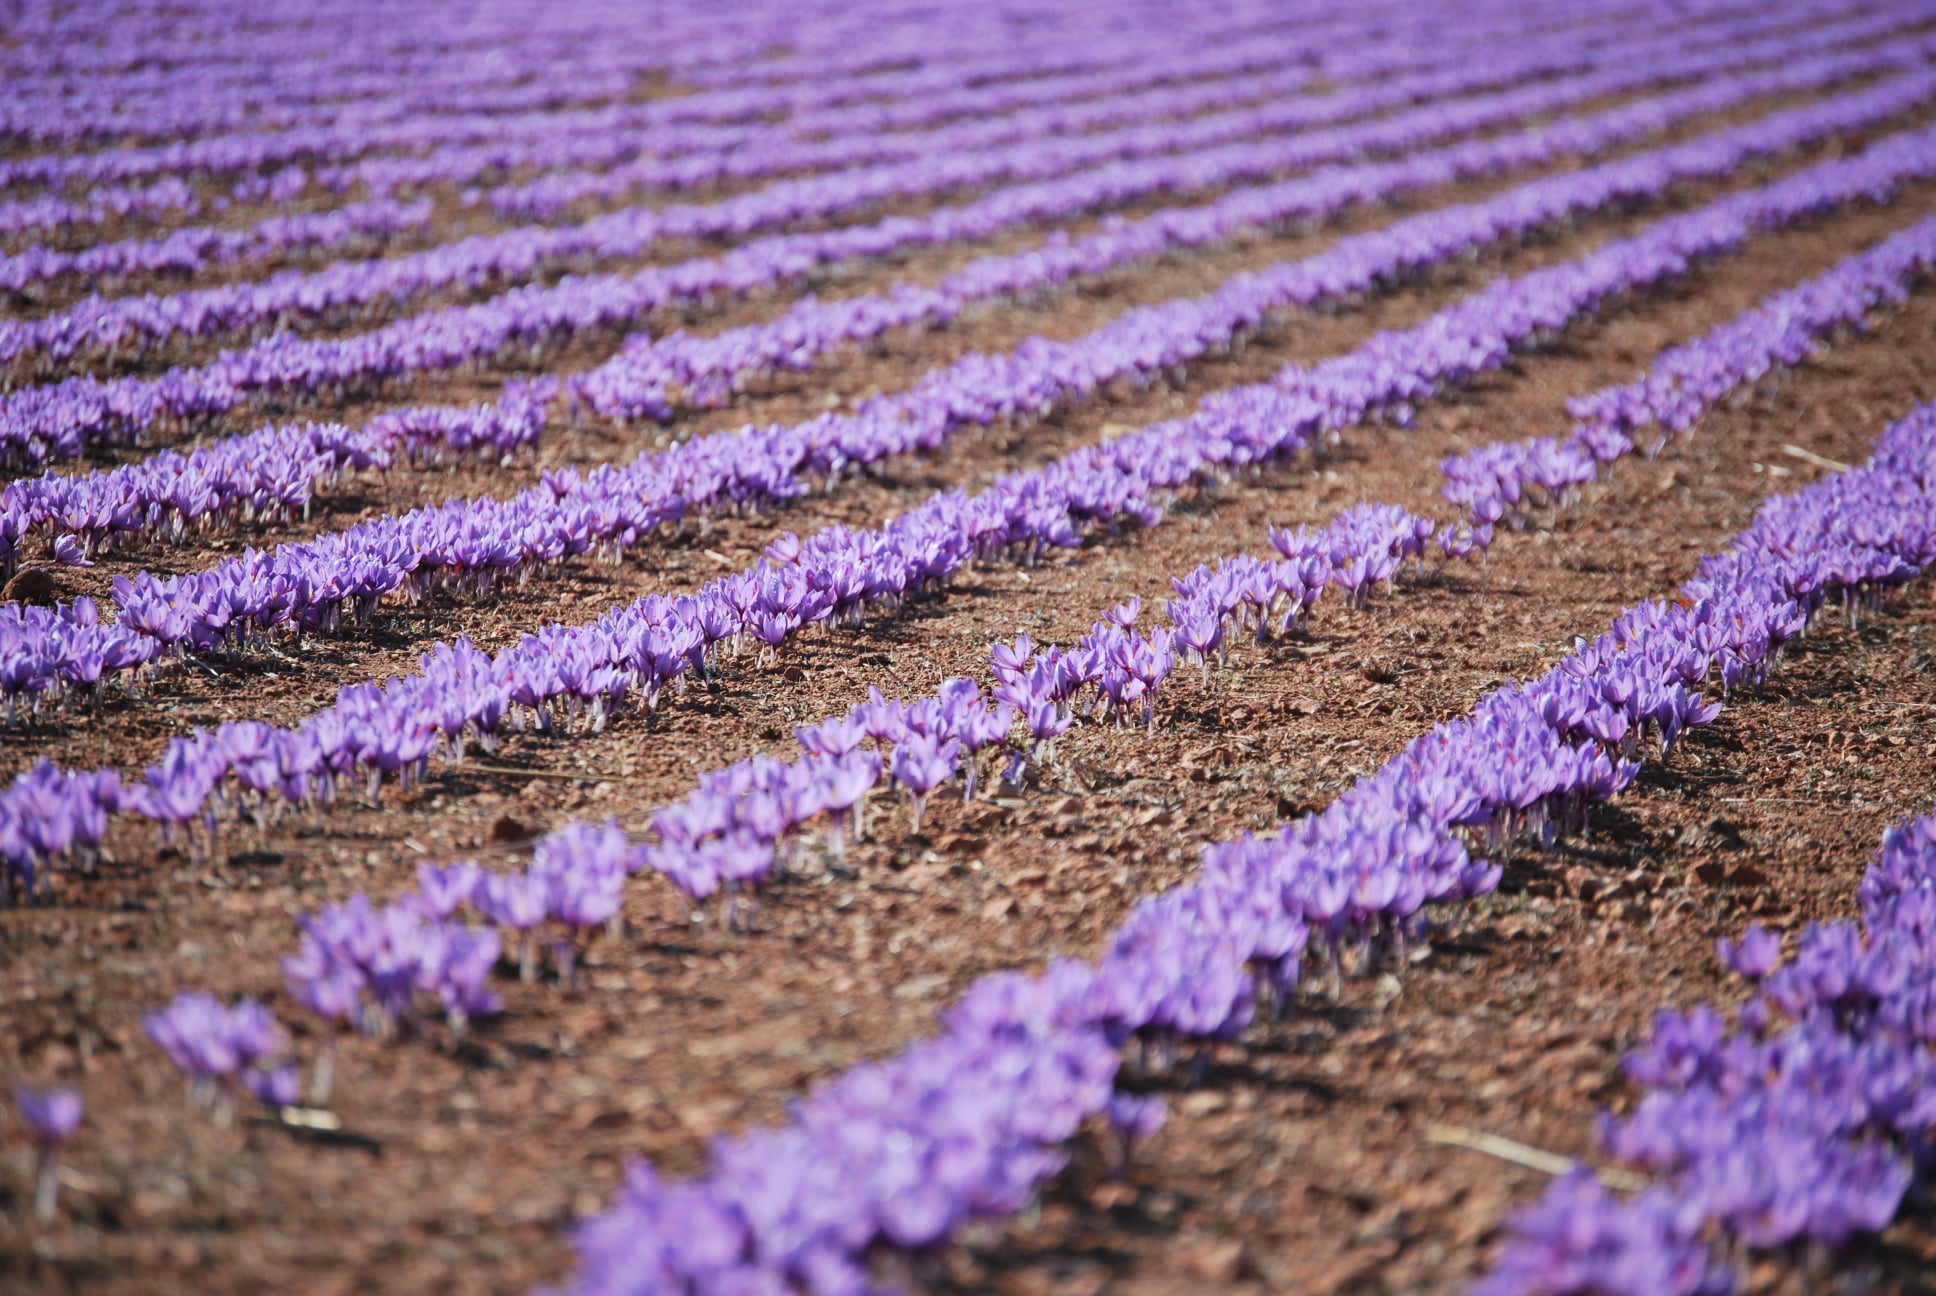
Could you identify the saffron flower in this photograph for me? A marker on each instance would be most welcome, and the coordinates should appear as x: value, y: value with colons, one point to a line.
x: 51, y: 1119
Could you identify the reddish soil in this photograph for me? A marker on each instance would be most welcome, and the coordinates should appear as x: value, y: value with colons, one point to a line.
x: 1305, y: 1161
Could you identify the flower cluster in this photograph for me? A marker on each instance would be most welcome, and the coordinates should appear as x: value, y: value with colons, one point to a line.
x: 225, y: 1051
x: 1772, y: 1136
x: 372, y: 968
x: 1767, y: 1134
x: 268, y: 474
x: 167, y: 196
x: 377, y: 969
x: 48, y: 814
x: 962, y: 1127
x: 1506, y: 479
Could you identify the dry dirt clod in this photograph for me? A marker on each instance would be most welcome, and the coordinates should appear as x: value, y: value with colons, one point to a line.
x: 505, y: 831
x: 1711, y: 873
x: 1746, y: 875
x: 36, y: 586
x: 1379, y: 670
x: 1595, y: 888
x: 985, y: 816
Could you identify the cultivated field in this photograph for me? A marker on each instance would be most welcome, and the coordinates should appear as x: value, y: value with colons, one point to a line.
x: 1038, y: 648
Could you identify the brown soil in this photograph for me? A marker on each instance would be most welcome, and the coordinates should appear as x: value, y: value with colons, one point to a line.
x: 1303, y: 1163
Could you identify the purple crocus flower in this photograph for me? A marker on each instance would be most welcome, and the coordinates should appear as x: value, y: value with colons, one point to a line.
x: 581, y: 898
x: 923, y: 763
x: 216, y: 1045
x: 279, y: 1087
x: 70, y: 552
x: 462, y: 978
x: 333, y: 991
x: 1047, y: 722
x: 519, y: 902
x: 844, y: 784
x: 51, y: 1119
x: 884, y: 719
x: 1011, y: 660
x: 1136, y: 1119
x: 833, y: 737
x: 584, y: 899
x: 445, y: 890
x: 1754, y: 956
x: 513, y: 900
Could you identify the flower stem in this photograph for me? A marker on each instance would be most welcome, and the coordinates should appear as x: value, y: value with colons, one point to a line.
x: 46, y: 1184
